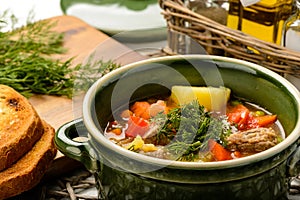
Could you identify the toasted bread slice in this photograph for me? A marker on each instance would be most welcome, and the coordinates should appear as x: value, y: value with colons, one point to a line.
x: 20, y: 126
x: 29, y: 170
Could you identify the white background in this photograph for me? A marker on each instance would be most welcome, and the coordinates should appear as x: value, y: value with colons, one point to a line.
x: 42, y: 9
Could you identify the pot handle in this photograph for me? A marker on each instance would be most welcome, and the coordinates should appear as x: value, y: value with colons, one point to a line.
x: 75, y: 145
x: 293, y: 163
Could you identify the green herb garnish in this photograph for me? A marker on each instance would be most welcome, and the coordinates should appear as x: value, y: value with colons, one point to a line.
x: 189, y: 128
x: 26, y: 62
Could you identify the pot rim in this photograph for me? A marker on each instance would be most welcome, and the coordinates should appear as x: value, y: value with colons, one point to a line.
x: 96, y: 134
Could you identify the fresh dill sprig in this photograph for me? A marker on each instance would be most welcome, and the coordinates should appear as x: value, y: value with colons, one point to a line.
x: 26, y: 62
x: 86, y: 74
x: 188, y: 129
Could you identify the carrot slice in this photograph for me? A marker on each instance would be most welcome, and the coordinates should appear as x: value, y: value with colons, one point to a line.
x: 262, y: 121
x: 141, y: 109
x: 218, y: 151
x: 237, y: 154
x: 116, y: 131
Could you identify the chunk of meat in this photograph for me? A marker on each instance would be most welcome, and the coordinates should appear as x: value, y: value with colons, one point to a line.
x: 158, y: 107
x: 253, y: 141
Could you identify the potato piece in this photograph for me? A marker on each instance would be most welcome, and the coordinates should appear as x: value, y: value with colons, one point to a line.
x: 136, y: 144
x: 212, y: 98
x: 149, y: 147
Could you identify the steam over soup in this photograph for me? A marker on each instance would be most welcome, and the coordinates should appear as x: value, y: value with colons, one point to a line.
x: 200, y: 124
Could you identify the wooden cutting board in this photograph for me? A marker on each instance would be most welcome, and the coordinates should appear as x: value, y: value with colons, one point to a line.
x: 81, y: 40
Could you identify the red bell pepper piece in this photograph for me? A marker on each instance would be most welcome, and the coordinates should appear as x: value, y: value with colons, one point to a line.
x: 136, y: 126
x: 218, y: 151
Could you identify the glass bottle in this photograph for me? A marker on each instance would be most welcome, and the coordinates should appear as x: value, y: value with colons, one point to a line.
x: 291, y: 30
x: 179, y: 43
x: 291, y: 38
x: 214, y: 9
x: 263, y: 20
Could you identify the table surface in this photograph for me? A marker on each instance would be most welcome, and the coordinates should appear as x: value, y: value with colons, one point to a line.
x: 44, y: 9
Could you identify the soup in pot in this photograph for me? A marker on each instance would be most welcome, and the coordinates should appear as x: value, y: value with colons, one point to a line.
x: 197, y: 124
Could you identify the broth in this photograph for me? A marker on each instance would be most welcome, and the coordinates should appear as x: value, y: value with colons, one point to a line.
x: 190, y: 132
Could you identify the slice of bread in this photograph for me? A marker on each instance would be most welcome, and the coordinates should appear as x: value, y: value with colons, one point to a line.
x: 29, y: 170
x: 20, y: 126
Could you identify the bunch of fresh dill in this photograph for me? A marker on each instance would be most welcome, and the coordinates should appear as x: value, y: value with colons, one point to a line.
x: 27, y: 64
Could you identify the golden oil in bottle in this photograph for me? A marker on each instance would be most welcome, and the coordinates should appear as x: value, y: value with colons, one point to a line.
x: 263, y: 20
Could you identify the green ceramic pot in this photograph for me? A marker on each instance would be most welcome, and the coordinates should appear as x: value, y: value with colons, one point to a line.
x: 261, y: 176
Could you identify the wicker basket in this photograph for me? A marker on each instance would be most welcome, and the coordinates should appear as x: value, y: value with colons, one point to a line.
x: 215, y: 37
